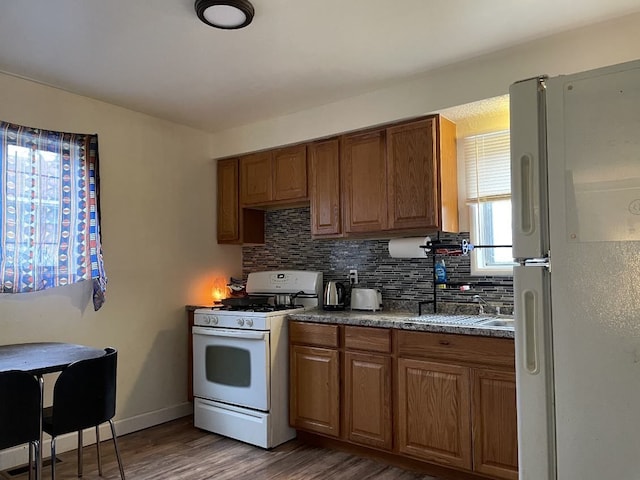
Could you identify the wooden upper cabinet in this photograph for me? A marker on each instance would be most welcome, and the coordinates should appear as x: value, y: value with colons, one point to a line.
x: 235, y: 224
x: 290, y: 173
x: 402, y: 178
x: 256, y: 179
x: 274, y: 176
x: 228, y: 209
x: 391, y: 180
x: 421, y: 175
x: 363, y: 173
x: 412, y: 183
x: 324, y: 186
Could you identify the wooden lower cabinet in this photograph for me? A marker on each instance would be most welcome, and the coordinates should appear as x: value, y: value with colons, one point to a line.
x: 314, y: 403
x: 434, y: 412
x: 494, y: 419
x: 367, y: 409
x: 447, y: 400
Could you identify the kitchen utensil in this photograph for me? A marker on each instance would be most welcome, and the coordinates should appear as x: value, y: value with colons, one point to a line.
x: 366, y: 299
x: 334, y: 296
x: 244, y: 301
x: 236, y: 287
x: 286, y: 299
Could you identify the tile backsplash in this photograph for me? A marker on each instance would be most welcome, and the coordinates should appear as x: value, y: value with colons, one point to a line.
x: 403, y: 282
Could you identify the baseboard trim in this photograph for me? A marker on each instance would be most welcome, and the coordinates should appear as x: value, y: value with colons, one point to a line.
x: 13, y: 457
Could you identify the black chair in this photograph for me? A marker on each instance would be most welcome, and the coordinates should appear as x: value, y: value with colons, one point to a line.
x: 20, y: 413
x: 84, y: 396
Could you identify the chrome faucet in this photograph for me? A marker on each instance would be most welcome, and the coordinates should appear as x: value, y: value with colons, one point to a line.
x: 481, y: 304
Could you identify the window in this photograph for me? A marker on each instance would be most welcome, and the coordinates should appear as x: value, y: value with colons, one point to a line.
x: 49, y: 221
x: 488, y: 185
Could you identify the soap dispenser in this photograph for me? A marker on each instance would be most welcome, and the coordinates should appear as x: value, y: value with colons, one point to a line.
x: 441, y: 272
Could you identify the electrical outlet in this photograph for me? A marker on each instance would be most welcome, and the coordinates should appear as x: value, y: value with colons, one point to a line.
x: 353, y: 277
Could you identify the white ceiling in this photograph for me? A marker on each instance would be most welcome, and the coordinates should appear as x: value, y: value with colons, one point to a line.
x: 156, y: 57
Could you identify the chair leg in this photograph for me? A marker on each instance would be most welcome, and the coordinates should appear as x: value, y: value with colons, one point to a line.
x: 53, y: 458
x: 115, y: 444
x: 38, y: 467
x: 80, y: 442
x: 32, y: 446
x: 98, y: 450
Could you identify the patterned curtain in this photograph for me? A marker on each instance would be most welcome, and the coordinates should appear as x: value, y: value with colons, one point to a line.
x: 49, y: 211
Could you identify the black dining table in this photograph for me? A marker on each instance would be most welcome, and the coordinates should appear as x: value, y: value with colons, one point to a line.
x: 39, y: 359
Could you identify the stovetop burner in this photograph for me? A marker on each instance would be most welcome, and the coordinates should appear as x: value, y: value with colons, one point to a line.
x: 258, y: 308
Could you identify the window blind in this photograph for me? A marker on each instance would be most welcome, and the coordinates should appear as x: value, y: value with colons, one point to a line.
x: 487, y: 166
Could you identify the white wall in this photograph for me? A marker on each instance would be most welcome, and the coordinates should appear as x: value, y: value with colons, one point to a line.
x: 159, y: 240
x: 485, y: 77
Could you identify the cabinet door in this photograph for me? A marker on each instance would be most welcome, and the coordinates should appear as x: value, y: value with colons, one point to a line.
x: 364, y: 182
x: 367, y: 381
x: 412, y: 176
x: 495, y: 437
x: 228, y: 212
x: 315, y: 390
x: 324, y: 170
x: 434, y: 412
x: 290, y: 173
x: 256, y: 179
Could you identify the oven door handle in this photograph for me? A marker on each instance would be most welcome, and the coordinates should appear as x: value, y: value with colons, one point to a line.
x: 221, y: 332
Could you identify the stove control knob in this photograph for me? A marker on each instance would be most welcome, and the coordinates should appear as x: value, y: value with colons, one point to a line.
x: 240, y: 322
x: 249, y: 322
x: 210, y: 320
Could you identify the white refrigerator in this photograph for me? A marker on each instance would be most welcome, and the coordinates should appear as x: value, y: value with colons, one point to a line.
x: 575, y: 153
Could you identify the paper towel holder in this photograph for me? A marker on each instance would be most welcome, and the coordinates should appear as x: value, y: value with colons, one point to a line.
x: 463, y: 248
x: 442, y: 248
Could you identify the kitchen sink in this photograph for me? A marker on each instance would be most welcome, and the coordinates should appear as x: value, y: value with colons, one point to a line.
x: 498, y: 322
x: 462, y: 320
x: 503, y: 321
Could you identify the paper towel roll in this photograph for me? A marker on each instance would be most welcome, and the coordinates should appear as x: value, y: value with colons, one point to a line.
x: 408, y: 247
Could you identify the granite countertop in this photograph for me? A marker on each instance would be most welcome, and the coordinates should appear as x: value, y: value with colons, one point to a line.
x: 439, y: 323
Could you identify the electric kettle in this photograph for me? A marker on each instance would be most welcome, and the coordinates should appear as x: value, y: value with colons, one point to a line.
x: 334, y: 296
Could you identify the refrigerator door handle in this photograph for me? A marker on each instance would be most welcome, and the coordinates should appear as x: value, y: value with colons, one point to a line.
x: 529, y: 332
x: 526, y: 178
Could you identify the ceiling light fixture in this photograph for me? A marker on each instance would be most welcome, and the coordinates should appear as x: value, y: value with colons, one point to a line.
x: 225, y: 14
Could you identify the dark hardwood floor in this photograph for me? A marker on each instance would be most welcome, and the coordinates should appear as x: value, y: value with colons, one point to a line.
x: 178, y: 451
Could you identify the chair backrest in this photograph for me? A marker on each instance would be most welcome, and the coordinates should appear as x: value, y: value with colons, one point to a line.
x: 19, y: 408
x: 85, y: 394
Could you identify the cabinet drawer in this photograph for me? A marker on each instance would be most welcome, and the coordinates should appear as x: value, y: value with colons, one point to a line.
x: 368, y: 339
x: 461, y: 349
x: 313, y: 334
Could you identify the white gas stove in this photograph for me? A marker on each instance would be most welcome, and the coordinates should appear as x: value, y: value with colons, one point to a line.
x: 240, y: 358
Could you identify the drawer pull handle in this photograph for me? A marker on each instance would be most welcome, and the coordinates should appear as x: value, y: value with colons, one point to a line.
x: 444, y: 342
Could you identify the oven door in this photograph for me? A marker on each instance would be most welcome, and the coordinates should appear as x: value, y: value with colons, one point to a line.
x: 232, y: 366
